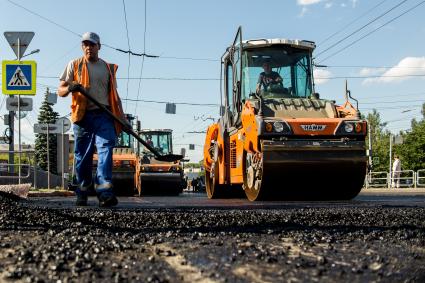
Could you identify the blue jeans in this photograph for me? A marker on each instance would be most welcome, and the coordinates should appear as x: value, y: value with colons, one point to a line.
x: 96, y: 128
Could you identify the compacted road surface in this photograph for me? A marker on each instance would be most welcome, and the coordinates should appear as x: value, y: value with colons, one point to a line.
x: 375, y: 237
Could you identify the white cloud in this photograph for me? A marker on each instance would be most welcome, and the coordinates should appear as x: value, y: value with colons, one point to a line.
x: 304, y: 4
x: 327, y: 4
x: 321, y: 76
x: 406, y: 67
x: 304, y: 10
x: 307, y: 2
x: 372, y: 71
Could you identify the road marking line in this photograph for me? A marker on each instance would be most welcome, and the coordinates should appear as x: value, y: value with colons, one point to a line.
x: 187, y: 272
x: 250, y: 273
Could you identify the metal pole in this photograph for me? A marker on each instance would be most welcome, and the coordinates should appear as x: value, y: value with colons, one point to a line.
x: 63, y: 157
x: 12, y: 127
x: 19, y: 139
x: 370, y: 147
x: 12, y: 141
x: 19, y: 121
x: 48, y: 159
x: 35, y: 172
x: 391, y: 148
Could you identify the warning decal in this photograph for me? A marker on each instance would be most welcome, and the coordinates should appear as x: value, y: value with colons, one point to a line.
x: 18, y: 79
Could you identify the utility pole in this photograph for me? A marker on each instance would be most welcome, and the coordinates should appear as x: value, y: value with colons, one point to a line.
x: 391, y: 154
x: 370, y: 146
x: 48, y: 159
x: 11, y: 141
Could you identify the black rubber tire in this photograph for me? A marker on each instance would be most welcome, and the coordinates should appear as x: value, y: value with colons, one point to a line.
x: 214, y: 190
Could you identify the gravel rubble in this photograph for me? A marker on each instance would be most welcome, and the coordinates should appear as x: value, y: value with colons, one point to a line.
x: 315, y: 244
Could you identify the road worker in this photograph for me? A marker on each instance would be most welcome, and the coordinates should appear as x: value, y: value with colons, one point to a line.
x: 92, y: 126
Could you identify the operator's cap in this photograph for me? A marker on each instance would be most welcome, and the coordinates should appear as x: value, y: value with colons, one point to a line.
x: 92, y: 37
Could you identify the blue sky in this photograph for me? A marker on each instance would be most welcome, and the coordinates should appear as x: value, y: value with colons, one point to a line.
x: 384, y: 69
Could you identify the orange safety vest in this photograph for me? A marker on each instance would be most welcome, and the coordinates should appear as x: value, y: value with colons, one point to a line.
x: 79, y: 101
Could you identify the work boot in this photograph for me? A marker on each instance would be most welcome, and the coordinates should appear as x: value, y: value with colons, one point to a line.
x: 82, y: 197
x: 107, y: 198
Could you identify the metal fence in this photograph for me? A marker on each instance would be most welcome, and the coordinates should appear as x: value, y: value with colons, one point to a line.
x: 420, y: 178
x: 401, y: 179
x: 377, y: 179
x: 26, y: 171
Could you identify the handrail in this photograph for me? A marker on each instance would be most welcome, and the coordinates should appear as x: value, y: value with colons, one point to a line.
x: 420, y: 175
x: 407, y: 178
x: 381, y: 176
x: 28, y: 166
x: 403, y: 178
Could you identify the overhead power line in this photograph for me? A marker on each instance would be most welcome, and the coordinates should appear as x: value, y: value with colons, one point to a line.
x: 143, y: 54
x: 374, y: 30
x: 144, y: 78
x: 370, y: 77
x: 189, y: 58
x: 44, y: 18
x: 139, y: 87
x: 362, y: 27
x: 394, y: 95
x: 197, y: 132
x: 352, y: 22
x: 178, y: 103
x: 75, y: 33
x: 368, y: 67
x: 129, y: 48
x: 169, y: 79
x: 212, y: 79
x: 399, y: 101
x: 390, y: 107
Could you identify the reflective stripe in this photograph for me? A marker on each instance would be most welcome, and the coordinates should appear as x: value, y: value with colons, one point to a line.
x: 103, y: 186
x: 80, y: 67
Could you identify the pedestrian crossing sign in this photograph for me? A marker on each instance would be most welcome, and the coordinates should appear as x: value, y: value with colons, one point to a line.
x: 19, y: 77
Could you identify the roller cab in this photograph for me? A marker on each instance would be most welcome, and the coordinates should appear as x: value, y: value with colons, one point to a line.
x: 277, y: 138
x: 159, y: 177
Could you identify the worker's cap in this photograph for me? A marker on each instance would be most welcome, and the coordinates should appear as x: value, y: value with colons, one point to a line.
x: 92, y: 37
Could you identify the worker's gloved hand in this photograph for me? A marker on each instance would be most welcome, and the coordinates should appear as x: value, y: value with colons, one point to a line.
x: 72, y: 87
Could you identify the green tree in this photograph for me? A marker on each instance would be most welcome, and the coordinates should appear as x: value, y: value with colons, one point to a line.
x: 380, y: 141
x: 412, y: 151
x: 46, y: 116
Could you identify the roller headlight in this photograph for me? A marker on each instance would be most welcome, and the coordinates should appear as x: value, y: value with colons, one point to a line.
x: 278, y: 127
x: 348, y: 127
x: 275, y: 127
x: 351, y: 128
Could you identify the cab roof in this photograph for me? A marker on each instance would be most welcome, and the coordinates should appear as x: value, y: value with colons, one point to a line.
x: 305, y: 44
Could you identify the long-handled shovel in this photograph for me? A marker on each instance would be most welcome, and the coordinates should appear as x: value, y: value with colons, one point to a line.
x: 127, y: 128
